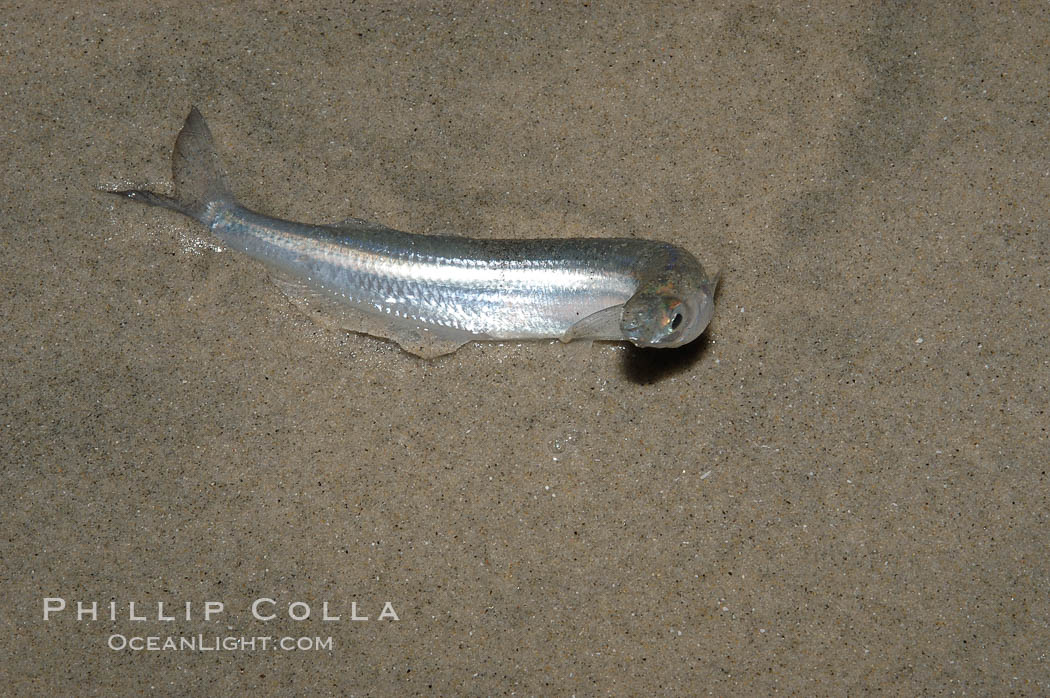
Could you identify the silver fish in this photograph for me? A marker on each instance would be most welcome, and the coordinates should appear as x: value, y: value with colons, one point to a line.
x: 433, y: 293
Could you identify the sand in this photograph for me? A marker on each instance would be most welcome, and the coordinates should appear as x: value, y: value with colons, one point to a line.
x: 841, y: 488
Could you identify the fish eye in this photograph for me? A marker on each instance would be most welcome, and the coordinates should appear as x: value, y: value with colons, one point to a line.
x: 676, y: 320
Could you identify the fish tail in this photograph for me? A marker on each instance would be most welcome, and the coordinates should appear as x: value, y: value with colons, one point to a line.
x: 200, y: 179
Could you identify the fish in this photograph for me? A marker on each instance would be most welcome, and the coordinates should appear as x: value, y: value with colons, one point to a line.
x: 431, y: 294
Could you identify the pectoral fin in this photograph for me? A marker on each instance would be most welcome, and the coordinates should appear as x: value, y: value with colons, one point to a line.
x: 604, y: 324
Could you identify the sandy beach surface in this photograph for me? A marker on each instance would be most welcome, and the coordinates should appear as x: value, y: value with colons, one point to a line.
x: 842, y: 488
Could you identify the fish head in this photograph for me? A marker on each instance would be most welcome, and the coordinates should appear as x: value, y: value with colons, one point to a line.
x: 672, y: 310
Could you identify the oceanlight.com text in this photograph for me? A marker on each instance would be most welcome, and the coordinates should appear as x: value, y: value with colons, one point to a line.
x: 217, y: 643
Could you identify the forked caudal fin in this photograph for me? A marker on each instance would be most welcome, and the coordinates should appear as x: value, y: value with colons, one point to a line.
x: 200, y: 180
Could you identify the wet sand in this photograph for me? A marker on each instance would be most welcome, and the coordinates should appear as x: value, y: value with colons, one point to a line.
x: 842, y: 487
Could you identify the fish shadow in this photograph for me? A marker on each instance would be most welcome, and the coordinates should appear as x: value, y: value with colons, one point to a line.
x: 648, y: 366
